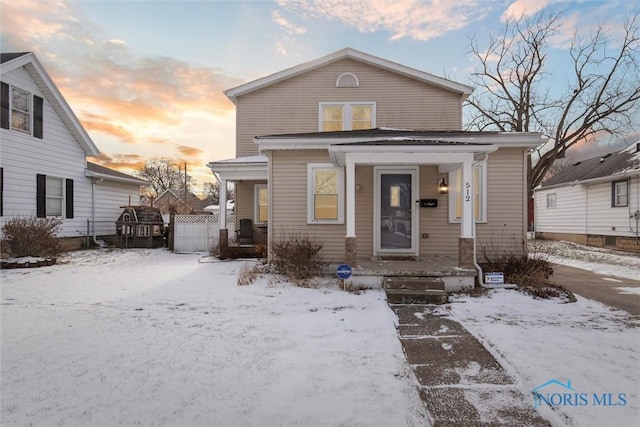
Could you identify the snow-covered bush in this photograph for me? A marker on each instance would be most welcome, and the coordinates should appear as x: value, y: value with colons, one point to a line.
x: 296, y: 256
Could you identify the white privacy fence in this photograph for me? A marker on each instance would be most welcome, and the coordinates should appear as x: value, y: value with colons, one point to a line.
x: 196, y: 233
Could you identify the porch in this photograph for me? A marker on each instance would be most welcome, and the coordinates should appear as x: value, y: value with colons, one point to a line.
x: 419, y: 273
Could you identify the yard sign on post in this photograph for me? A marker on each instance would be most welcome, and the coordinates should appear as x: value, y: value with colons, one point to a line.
x: 344, y: 272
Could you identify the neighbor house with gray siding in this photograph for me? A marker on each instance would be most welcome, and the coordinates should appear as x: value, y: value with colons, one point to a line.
x: 369, y: 157
x: 43, y: 158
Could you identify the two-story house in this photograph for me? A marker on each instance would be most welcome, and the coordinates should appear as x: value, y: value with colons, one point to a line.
x: 369, y: 156
x: 43, y: 158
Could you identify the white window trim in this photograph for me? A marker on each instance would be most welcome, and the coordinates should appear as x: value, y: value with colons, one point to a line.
x: 615, y: 203
x: 256, y: 202
x: 62, y: 199
x: 453, y: 195
x: 29, y: 112
x: 310, y: 194
x: 348, y: 74
x: 346, y: 114
x: 551, y: 200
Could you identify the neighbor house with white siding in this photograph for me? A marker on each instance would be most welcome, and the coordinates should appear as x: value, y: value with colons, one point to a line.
x: 593, y: 202
x: 43, y: 158
x: 369, y: 157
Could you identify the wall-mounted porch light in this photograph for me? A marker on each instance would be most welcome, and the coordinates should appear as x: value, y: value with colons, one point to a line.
x: 443, y: 188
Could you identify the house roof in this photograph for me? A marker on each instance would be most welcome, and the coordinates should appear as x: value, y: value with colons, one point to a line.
x: 28, y: 60
x: 356, y: 55
x: 398, y: 137
x: 610, y: 167
x: 97, y: 171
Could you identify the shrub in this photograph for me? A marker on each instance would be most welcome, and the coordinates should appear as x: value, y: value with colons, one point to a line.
x: 248, y: 274
x: 31, y: 236
x: 518, y: 266
x: 296, y: 256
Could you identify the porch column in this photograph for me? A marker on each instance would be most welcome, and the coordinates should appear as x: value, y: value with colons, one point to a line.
x: 351, y: 198
x: 466, y: 221
x: 351, y: 242
x: 222, y: 201
x: 466, y: 242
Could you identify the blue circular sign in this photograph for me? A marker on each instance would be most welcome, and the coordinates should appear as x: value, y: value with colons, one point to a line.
x: 344, y: 271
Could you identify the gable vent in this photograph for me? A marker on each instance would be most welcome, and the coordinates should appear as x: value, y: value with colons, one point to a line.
x: 347, y: 80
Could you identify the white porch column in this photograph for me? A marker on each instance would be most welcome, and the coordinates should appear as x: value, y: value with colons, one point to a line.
x: 351, y: 198
x: 222, y: 201
x: 466, y: 221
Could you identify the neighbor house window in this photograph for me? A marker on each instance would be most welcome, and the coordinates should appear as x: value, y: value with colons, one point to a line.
x: 620, y: 193
x: 261, y: 203
x: 20, y: 110
x: 347, y: 116
x: 479, y: 195
x: 325, y: 185
x: 55, y: 196
x: 551, y: 201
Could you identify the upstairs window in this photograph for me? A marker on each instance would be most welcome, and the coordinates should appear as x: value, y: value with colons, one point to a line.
x: 620, y: 194
x: 347, y: 116
x: 21, y: 111
x: 347, y: 80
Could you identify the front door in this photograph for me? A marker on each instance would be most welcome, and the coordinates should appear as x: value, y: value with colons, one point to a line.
x: 395, y: 219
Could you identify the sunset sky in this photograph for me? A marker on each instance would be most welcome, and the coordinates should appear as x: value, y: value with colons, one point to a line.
x: 146, y: 77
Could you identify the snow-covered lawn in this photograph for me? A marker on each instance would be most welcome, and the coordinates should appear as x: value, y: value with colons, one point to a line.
x: 587, y: 343
x: 599, y: 260
x: 147, y: 337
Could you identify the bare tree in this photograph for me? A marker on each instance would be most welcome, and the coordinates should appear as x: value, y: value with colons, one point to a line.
x: 164, y: 174
x: 513, y: 86
x: 212, y: 192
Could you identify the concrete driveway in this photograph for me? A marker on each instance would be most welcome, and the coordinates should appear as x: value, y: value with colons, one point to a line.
x: 602, y: 288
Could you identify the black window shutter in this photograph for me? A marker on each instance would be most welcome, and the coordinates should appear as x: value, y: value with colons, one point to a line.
x: 37, y: 116
x: 68, y: 196
x: 41, y: 196
x: 4, y: 116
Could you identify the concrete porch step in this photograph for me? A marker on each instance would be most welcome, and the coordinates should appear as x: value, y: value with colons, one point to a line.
x: 417, y: 296
x: 415, y: 283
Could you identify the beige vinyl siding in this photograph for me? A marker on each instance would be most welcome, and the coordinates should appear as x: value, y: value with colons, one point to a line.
x: 245, y: 200
x: 506, y: 207
x: 443, y: 236
x: 364, y: 210
x: 401, y: 102
x: 289, y: 202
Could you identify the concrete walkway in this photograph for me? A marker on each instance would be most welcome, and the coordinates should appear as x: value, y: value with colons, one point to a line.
x: 461, y: 383
x: 598, y: 287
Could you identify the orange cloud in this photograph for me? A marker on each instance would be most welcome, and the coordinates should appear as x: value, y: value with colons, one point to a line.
x: 132, y: 98
x: 189, y: 151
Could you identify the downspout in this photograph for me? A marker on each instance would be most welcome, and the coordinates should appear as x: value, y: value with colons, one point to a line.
x: 475, y: 244
x: 93, y: 210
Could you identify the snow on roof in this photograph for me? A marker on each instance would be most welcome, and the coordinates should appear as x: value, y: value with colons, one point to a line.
x: 612, y: 165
